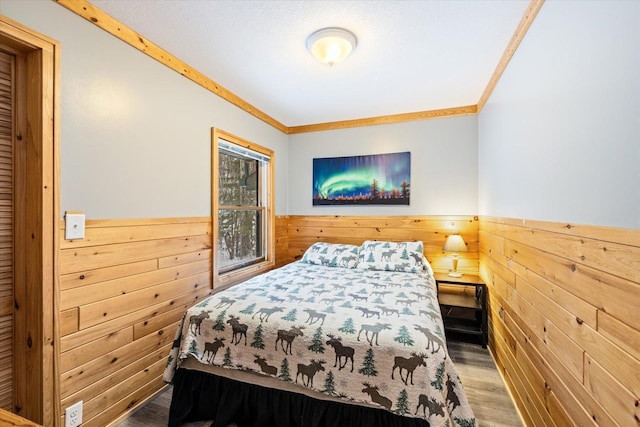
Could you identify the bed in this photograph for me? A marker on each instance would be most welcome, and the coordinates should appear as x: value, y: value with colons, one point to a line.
x: 348, y: 335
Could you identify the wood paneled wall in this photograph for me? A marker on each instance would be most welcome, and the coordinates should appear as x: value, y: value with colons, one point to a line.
x: 123, y: 290
x: 565, y: 319
x: 295, y: 233
x: 564, y: 305
x: 125, y: 286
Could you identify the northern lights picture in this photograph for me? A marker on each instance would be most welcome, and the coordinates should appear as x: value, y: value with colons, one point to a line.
x: 380, y: 179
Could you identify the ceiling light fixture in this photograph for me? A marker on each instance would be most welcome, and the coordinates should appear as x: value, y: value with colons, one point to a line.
x: 331, y: 45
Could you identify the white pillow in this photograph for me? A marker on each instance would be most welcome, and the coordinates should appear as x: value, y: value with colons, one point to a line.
x: 392, y: 256
x: 332, y: 255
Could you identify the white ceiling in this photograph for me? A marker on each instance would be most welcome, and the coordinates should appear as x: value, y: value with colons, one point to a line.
x: 411, y: 55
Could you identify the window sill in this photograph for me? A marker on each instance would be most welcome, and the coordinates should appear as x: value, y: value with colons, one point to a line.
x: 237, y: 276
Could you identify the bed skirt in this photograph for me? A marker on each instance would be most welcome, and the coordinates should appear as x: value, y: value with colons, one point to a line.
x: 204, y: 396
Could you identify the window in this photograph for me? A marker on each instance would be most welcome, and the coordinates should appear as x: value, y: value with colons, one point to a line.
x: 242, y: 208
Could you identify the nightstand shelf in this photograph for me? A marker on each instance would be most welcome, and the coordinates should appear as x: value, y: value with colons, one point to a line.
x: 464, y: 312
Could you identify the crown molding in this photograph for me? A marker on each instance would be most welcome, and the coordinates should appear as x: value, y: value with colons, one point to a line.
x: 521, y: 30
x: 385, y: 120
x: 114, y: 27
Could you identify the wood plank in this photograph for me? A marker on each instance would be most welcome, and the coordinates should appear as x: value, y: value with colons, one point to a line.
x: 104, y: 290
x: 604, y: 256
x: 174, y: 260
x: 87, y: 277
x: 624, y: 236
x: 84, y: 375
x: 81, y: 259
x: 126, y: 403
x: 106, y: 400
x: 567, y: 352
x: 558, y: 322
x: 100, y: 236
x: 531, y: 404
x: 440, y: 223
x: 583, y: 311
x: 102, y: 311
x: 619, y: 401
x: 564, y: 273
x: 582, y: 407
x: 429, y: 236
x: 128, y: 222
x: 508, y: 376
x: 95, y: 332
x: 94, y: 349
x: 303, y: 231
x: 154, y: 323
x: 113, y: 380
x: 603, y: 290
x: 68, y: 321
x: 557, y: 411
x: 618, y: 363
x: 624, y: 336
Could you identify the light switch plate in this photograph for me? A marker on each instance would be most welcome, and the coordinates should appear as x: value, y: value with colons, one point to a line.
x: 74, y: 226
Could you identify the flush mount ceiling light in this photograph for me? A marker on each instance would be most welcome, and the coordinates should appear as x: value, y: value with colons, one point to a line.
x: 331, y: 45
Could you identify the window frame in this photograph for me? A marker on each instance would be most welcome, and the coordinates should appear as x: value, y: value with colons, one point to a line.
x: 242, y: 273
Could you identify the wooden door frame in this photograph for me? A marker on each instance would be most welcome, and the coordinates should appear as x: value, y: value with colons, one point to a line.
x: 36, y: 343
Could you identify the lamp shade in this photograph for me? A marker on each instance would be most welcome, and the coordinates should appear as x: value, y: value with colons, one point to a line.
x: 454, y: 243
x: 331, y: 45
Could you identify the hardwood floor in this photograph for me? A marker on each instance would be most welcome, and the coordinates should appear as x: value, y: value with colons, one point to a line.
x: 483, y: 385
x: 485, y: 390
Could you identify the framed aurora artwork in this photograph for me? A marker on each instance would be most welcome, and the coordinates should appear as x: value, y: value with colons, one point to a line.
x: 378, y: 179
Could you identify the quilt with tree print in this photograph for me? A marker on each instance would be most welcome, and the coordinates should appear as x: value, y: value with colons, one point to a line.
x: 357, y: 334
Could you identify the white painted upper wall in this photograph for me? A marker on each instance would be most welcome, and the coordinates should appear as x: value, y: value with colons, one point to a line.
x: 444, y: 166
x: 559, y: 139
x: 135, y: 135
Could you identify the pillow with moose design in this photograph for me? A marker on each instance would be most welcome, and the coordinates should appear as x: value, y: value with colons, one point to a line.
x: 332, y: 255
x: 392, y: 256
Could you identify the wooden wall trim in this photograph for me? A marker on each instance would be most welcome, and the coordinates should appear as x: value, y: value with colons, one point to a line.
x: 96, y: 16
x: 127, y: 222
x: 385, y: 120
x: 36, y: 310
x: 564, y: 323
x: 521, y: 31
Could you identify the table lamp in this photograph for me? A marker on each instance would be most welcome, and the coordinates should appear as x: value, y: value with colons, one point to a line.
x: 454, y: 244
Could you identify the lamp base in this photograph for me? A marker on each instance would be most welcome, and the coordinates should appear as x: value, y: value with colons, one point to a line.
x: 455, y: 274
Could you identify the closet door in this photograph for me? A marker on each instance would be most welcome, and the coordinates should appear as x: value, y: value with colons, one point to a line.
x: 7, y: 71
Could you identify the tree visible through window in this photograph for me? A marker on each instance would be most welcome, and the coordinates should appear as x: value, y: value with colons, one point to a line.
x: 240, y: 214
x: 243, y: 203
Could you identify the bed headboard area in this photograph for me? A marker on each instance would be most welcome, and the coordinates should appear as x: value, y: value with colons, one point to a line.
x: 295, y: 233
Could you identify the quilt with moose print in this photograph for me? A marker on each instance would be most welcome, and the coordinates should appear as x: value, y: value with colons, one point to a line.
x: 360, y: 334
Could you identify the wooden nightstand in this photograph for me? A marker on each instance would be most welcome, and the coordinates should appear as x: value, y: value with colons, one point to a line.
x: 464, y: 312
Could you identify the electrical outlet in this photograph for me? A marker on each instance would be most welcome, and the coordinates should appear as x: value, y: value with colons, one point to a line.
x: 73, y: 415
